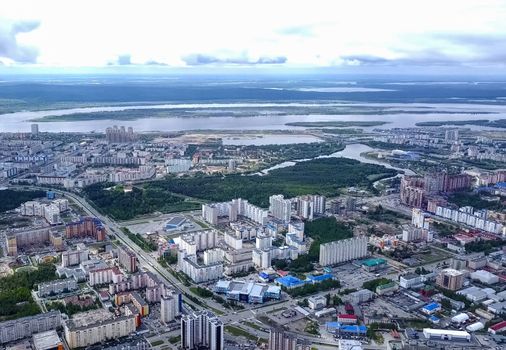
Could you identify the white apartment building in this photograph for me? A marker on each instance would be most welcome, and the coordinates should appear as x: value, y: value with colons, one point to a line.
x: 56, y: 287
x: 231, y: 210
x: 344, y: 250
x: 280, y: 208
x: 198, y: 241
x: 169, y: 308
x: 74, y: 257
x: 198, y: 273
x: 213, y: 256
x: 262, y: 258
x: 201, y: 330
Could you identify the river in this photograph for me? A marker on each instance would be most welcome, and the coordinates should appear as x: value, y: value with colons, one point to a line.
x: 21, y: 121
x: 351, y: 151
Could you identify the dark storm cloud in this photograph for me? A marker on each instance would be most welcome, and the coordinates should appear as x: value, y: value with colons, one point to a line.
x: 9, y: 46
x: 202, y: 59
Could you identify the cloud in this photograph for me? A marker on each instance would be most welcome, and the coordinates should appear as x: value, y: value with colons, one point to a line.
x: 9, y: 46
x: 155, y: 63
x: 203, y: 59
x: 440, y: 49
x: 297, y: 31
x: 124, y: 60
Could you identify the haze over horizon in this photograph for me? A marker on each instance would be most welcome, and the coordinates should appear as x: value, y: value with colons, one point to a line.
x: 220, y: 37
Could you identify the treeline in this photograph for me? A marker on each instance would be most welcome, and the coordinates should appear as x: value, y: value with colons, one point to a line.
x: 11, y: 199
x: 127, y: 205
x: 15, y: 291
x: 373, y: 284
x: 309, y: 289
x: 70, y: 309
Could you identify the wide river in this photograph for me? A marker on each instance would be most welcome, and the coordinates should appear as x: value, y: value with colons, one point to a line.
x: 21, y: 121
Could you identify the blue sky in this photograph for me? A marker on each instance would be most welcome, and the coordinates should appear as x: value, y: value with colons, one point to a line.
x: 215, y: 36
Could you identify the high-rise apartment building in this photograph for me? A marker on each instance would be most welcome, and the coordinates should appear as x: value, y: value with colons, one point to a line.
x: 280, y: 208
x: 201, y: 330
x: 169, y: 308
x: 127, y: 259
x: 344, y: 250
x: 86, y: 227
x: 281, y: 340
x: 119, y: 135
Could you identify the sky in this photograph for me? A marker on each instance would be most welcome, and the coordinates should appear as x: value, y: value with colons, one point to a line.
x: 215, y: 36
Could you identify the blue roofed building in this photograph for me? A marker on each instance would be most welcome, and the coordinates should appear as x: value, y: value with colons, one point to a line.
x: 319, y: 278
x: 431, y: 308
x: 175, y: 223
x: 289, y: 282
x: 339, y: 328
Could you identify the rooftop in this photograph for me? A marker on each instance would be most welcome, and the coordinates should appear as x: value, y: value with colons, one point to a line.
x: 373, y: 262
x: 46, y: 340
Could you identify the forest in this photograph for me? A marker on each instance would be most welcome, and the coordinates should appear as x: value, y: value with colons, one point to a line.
x: 11, y: 199
x: 15, y: 291
x: 121, y: 205
x: 325, y: 176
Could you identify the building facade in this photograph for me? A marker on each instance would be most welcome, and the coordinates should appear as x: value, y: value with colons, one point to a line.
x: 202, y: 330
x: 344, y: 250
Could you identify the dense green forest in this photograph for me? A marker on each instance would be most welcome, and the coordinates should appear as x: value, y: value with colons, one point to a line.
x: 11, y: 199
x: 15, y: 291
x: 114, y: 201
x: 463, y: 199
x: 319, y: 176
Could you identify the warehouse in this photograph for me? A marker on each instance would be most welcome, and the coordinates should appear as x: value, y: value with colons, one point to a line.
x: 431, y: 308
x: 484, y: 277
x: 446, y: 334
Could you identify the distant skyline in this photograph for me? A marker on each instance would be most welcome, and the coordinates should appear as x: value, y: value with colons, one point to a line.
x: 359, y: 36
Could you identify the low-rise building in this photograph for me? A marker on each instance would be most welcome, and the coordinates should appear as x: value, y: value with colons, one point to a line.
x: 57, y: 287
x: 317, y: 302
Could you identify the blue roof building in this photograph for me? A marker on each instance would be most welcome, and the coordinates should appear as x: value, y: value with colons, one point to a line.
x: 290, y: 282
x: 319, y: 278
x: 431, y: 308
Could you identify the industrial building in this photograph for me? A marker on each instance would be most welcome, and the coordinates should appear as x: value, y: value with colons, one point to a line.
x: 446, y: 334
